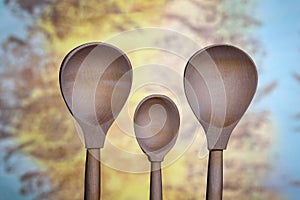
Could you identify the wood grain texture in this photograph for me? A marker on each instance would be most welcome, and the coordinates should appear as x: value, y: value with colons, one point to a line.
x: 95, y: 80
x: 220, y: 82
x: 214, y: 187
x: 92, y: 185
x: 156, y: 125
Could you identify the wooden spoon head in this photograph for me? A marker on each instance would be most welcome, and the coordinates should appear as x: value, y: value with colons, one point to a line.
x: 156, y: 125
x: 220, y: 82
x: 95, y: 81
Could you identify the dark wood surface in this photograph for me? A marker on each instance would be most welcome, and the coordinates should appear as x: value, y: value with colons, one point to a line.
x: 214, y: 187
x: 92, y: 185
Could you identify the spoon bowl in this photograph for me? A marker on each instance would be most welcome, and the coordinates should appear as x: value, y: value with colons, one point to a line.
x: 220, y: 82
x: 156, y: 125
x: 95, y: 81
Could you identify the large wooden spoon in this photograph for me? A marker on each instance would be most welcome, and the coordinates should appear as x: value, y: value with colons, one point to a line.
x: 95, y: 80
x: 220, y: 82
x: 156, y: 125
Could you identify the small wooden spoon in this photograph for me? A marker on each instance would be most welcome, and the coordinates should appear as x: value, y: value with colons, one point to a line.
x: 156, y: 125
x: 95, y: 80
x: 220, y: 82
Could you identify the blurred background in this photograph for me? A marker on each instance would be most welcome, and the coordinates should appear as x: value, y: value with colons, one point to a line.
x: 42, y: 157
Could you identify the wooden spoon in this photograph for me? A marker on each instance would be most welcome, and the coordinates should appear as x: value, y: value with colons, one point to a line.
x: 156, y: 125
x: 220, y: 82
x: 95, y: 80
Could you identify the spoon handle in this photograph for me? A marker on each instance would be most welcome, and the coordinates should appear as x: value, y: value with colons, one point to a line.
x: 92, y: 187
x: 215, y: 175
x: 155, y: 181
